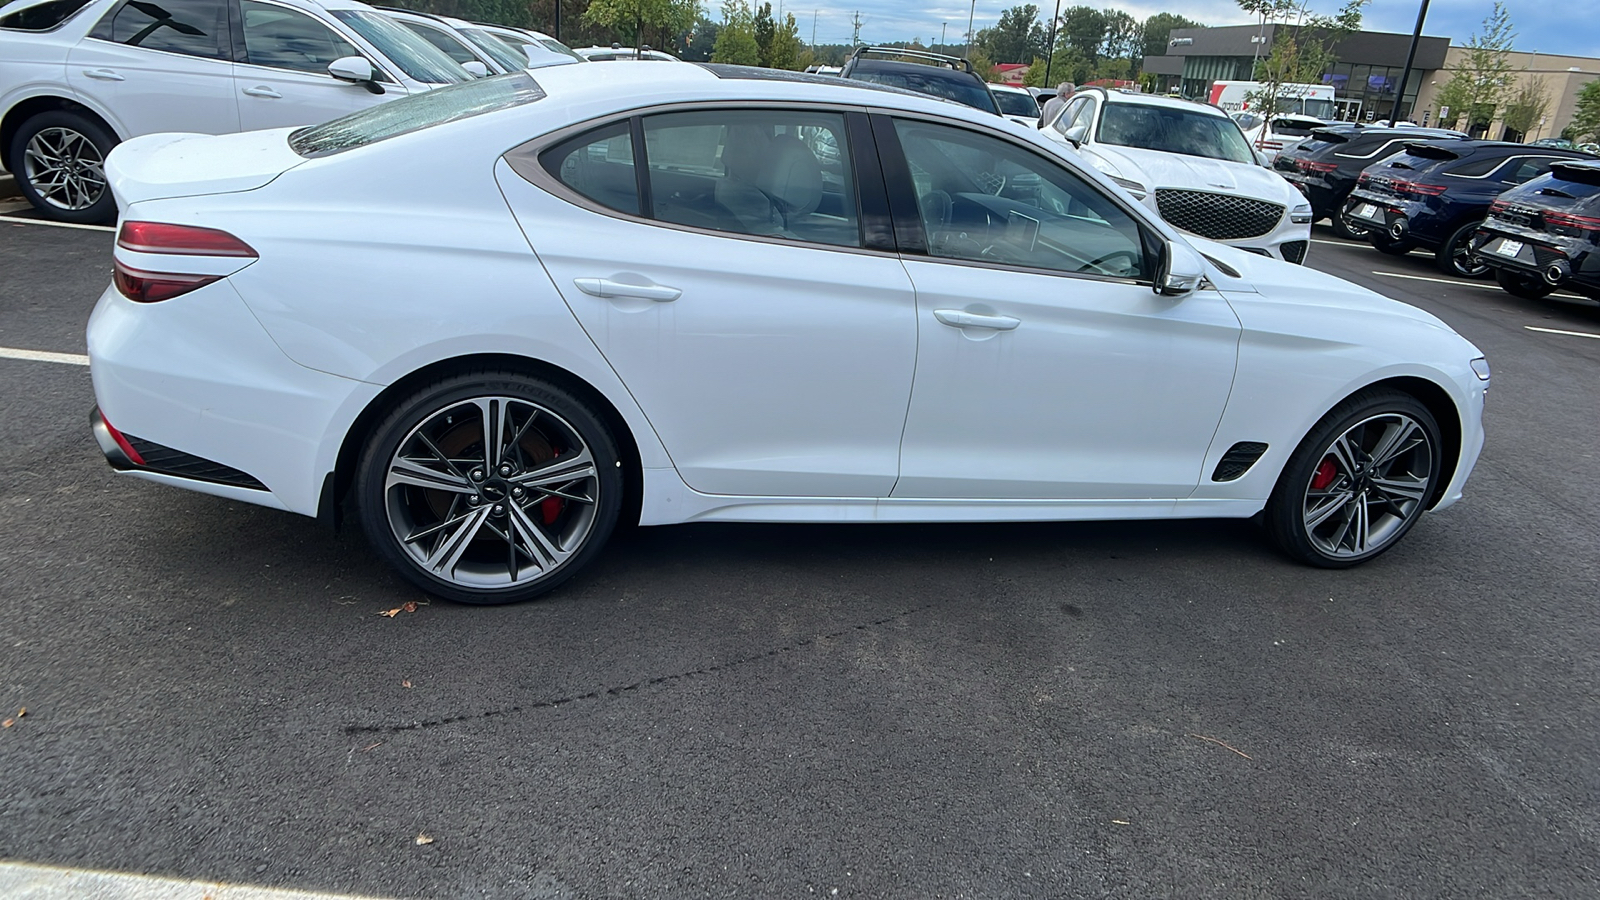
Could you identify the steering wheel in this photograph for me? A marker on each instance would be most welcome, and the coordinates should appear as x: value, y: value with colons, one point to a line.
x: 991, y: 182
x: 1095, y: 263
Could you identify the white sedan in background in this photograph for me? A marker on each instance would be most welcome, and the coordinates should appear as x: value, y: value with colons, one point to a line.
x: 648, y: 295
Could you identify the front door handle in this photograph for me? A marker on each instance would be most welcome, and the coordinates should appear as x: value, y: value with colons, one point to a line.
x: 960, y: 318
x: 262, y: 90
x: 605, y: 287
x: 102, y: 75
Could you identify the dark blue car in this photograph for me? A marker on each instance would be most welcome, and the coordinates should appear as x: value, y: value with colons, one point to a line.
x: 1546, y: 233
x: 1436, y: 194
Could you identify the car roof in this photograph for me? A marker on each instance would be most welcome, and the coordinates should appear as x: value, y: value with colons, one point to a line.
x: 1009, y: 88
x: 1134, y: 98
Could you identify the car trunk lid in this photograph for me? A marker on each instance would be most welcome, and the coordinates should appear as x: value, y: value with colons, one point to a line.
x: 162, y: 166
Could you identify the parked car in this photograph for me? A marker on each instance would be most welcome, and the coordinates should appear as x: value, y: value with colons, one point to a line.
x: 946, y: 77
x: 1545, y: 234
x: 1190, y: 164
x: 531, y: 42
x: 1016, y: 104
x: 1436, y: 194
x: 1325, y: 164
x: 472, y: 47
x: 78, y: 76
x: 617, y: 51
x: 975, y: 328
x: 1270, y: 134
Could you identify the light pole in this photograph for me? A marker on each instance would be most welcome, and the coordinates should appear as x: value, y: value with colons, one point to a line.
x: 942, y: 26
x: 970, y: 13
x: 1411, y: 56
x: 1050, y: 55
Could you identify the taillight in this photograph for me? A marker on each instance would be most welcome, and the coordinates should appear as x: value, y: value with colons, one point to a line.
x: 1568, y: 220
x: 1498, y: 207
x: 161, y: 238
x: 1307, y: 165
x: 1363, y: 178
x: 1420, y: 190
x: 182, y: 240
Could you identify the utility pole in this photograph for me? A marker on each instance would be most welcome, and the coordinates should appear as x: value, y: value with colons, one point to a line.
x: 557, y: 34
x: 814, y: 31
x: 855, y: 35
x: 970, y: 12
x: 1411, y: 56
x: 941, y: 34
x: 1050, y: 56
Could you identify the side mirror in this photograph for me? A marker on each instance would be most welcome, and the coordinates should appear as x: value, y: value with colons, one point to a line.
x: 476, y: 69
x: 1180, y: 271
x: 1077, y: 134
x: 356, y: 70
x: 1263, y: 159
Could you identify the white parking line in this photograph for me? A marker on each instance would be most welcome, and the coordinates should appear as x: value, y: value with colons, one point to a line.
x: 24, y: 881
x: 1485, y: 287
x: 1559, y: 331
x: 13, y: 220
x: 1337, y: 243
x: 68, y: 359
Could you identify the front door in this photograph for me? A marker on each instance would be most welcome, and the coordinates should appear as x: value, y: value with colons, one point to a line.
x: 730, y: 291
x: 284, y: 79
x: 160, y: 65
x: 1047, y: 366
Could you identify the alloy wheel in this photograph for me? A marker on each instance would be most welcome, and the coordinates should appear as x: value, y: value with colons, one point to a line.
x: 1371, y: 482
x: 1462, y: 259
x: 492, y: 492
x: 65, y: 168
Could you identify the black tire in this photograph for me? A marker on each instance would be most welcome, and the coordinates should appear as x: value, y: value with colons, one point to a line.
x: 1299, y: 497
x: 491, y: 555
x: 1345, y: 229
x: 89, y: 142
x: 1454, y: 256
x: 1386, y: 244
x: 1527, y: 287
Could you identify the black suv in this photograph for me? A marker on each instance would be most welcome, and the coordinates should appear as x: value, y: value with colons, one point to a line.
x: 934, y: 74
x: 1436, y: 194
x: 1546, y: 233
x: 1325, y: 164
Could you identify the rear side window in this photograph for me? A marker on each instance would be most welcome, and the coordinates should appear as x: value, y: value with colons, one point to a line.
x: 416, y: 112
x: 189, y: 27
x: 43, y: 17
x: 284, y: 39
x: 1527, y: 168
x: 1473, y: 168
x: 598, y: 165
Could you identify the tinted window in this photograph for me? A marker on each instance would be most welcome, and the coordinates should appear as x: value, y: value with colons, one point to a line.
x: 285, y: 39
x: 776, y: 173
x: 986, y: 200
x: 598, y: 165
x: 416, y: 112
x: 943, y: 83
x: 1015, y: 104
x: 190, y: 27
x: 451, y: 45
x: 1189, y: 132
x: 43, y: 17
x: 1524, y: 168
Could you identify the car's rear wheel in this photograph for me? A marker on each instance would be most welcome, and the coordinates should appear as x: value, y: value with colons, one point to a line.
x: 1528, y: 287
x: 1344, y: 228
x: 58, y: 158
x: 1358, y: 482
x: 1454, y: 256
x: 489, y: 487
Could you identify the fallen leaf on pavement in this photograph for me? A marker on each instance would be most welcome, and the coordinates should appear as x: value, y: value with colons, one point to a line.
x: 371, y: 746
x: 405, y: 684
x: 410, y: 606
x: 424, y: 839
x: 22, y: 712
x: 8, y: 723
x: 391, y: 613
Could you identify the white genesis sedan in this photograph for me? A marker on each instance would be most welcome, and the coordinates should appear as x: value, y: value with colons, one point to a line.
x: 491, y: 320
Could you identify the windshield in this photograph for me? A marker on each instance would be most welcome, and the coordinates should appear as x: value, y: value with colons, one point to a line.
x: 1172, y: 130
x: 937, y: 83
x: 509, y: 58
x: 1015, y: 104
x: 416, y: 112
x: 556, y: 46
x: 405, y: 48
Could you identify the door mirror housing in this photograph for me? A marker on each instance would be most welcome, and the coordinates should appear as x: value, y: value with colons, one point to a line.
x: 356, y: 70
x: 1077, y: 134
x: 476, y: 69
x: 1180, y: 271
x: 1263, y: 159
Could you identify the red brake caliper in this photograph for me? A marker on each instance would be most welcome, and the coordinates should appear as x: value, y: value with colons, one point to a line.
x: 1326, y: 473
x: 550, y: 507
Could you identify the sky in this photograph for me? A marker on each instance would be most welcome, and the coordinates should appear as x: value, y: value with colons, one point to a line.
x: 1544, y: 26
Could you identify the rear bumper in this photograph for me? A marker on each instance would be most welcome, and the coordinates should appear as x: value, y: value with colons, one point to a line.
x: 1557, y: 260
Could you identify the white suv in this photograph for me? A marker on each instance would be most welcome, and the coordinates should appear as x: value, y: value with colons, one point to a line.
x: 1190, y: 163
x: 79, y: 76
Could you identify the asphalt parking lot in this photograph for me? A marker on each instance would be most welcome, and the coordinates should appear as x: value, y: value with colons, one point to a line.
x: 213, y: 692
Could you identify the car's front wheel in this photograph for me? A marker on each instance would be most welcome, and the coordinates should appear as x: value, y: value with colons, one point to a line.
x: 489, y: 487
x: 1358, y: 482
x: 1455, y: 257
x: 59, y: 160
x: 1344, y: 227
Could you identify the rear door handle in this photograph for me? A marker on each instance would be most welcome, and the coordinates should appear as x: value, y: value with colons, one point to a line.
x: 960, y: 318
x: 605, y: 287
x: 262, y: 90
x: 102, y: 75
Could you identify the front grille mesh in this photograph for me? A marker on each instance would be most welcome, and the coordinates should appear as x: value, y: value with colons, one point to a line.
x: 1295, y: 251
x: 1220, y: 217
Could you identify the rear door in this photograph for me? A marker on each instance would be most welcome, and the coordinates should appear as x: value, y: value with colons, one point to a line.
x: 283, y: 79
x: 161, y: 65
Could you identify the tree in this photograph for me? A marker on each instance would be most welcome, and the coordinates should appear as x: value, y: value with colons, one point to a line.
x: 631, y: 17
x: 736, y: 40
x: 1527, y: 104
x: 1586, y: 115
x: 1159, y: 27
x: 765, y: 27
x: 1016, y: 38
x: 1083, y: 32
x: 1301, y: 51
x: 784, y: 51
x: 1480, y: 83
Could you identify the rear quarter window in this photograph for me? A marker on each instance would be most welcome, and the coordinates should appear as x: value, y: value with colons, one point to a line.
x: 1474, y: 168
x: 44, y: 16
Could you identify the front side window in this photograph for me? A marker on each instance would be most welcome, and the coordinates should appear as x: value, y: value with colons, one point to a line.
x: 416, y: 57
x: 983, y: 199
x: 1173, y: 130
x: 42, y: 16
x: 285, y: 39
x: 190, y: 27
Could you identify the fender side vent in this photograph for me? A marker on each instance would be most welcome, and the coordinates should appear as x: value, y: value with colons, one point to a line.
x: 1238, y: 460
